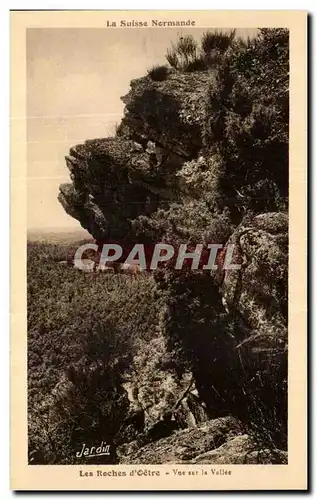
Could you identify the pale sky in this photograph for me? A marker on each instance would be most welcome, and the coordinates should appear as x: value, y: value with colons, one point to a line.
x: 75, y: 78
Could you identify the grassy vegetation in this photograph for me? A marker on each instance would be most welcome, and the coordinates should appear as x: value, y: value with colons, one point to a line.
x: 158, y: 73
x: 187, y: 55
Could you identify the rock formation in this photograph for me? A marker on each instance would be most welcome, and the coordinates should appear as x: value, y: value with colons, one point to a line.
x: 191, y: 161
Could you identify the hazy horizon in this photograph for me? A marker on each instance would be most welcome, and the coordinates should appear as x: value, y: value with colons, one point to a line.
x: 62, y: 229
x: 75, y: 78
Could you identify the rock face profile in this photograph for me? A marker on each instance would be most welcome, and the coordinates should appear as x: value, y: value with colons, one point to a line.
x: 136, y: 170
x: 201, y: 156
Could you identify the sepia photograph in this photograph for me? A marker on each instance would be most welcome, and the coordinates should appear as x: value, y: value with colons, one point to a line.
x: 157, y: 246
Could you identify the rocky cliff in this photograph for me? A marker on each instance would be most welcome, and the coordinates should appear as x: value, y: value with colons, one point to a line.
x: 114, y: 180
x: 202, y: 156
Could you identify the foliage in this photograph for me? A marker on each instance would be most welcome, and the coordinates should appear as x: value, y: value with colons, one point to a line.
x: 158, y: 73
x: 186, y: 55
x: 217, y: 40
x: 195, y: 222
x: 184, y: 52
x: 83, y: 330
x: 247, y: 124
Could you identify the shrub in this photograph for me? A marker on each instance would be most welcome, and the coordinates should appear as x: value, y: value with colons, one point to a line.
x: 158, y: 73
x: 187, y: 56
x: 197, y: 64
x: 172, y: 58
x: 87, y: 405
x: 247, y: 123
x: 217, y: 40
x: 186, y: 46
x: 245, y: 43
x: 182, y: 55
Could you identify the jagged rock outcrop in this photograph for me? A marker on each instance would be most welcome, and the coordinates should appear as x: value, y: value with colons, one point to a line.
x: 103, y: 197
x: 258, y: 290
x: 170, y: 113
x: 118, y: 178
x: 191, y: 162
x: 218, y: 441
x: 241, y: 449
x: 182, y: 445
x: 160, y: 398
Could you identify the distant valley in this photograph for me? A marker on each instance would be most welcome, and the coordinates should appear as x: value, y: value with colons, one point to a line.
x: 57, y: 235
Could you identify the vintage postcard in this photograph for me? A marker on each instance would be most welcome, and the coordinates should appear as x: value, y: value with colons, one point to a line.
x: 158, y: 251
